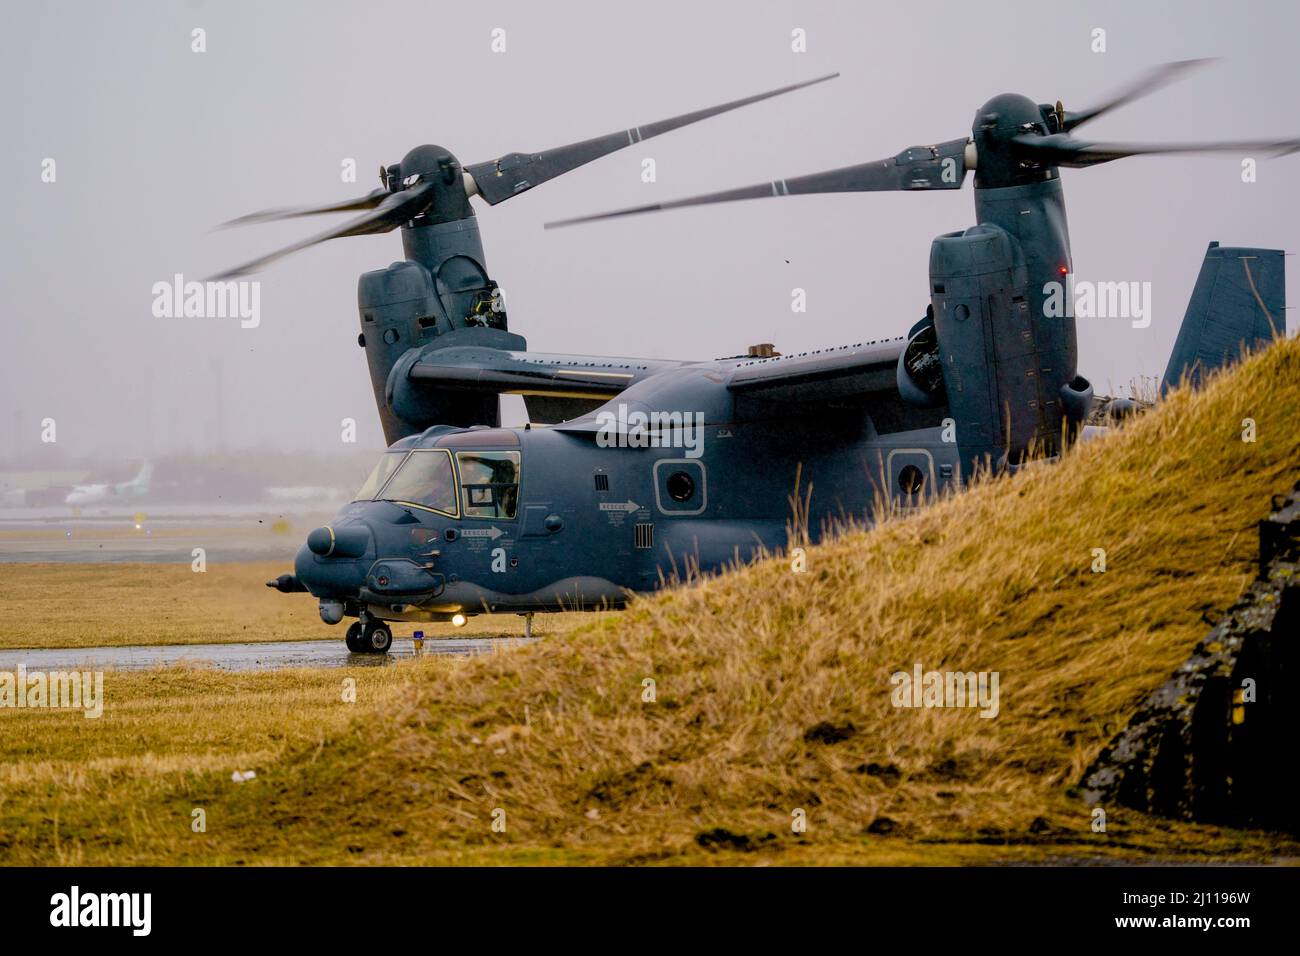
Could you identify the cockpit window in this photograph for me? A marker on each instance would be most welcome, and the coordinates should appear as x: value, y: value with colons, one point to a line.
x: 489, y: 482
x: 424, y: 479
x: 388, y: 463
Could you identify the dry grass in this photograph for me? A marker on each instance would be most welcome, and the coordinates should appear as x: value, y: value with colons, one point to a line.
x: 91, y: 605
x: 74, y: 790
x: 773, y: 689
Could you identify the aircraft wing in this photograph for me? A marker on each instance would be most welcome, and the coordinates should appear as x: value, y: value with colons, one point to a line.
x: 849, y: 371
x: 863, y: 376
x: 555, y: 386
x: 808, y: 383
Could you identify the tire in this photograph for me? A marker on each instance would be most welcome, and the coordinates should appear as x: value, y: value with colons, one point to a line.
x: 377, y: 638
x: 353, y: 638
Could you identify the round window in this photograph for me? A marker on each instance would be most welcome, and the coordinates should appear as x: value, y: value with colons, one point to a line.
x: 681, y: 487
x: 910, y: 480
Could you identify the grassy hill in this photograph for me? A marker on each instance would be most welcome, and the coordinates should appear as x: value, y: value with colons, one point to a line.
x: 773, y: 689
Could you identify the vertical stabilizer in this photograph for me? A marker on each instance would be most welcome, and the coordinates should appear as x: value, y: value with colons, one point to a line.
x: 1238, y: 302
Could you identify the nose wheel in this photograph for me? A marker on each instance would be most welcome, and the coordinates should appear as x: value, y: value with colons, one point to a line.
x: 369, y: 637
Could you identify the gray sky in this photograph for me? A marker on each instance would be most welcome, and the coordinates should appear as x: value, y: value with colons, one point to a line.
x: 155, y: 144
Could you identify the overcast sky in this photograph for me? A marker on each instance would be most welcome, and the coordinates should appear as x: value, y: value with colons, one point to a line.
x: 155, y: 144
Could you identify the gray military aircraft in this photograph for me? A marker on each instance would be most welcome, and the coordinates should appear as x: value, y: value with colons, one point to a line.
x: 633, y: 470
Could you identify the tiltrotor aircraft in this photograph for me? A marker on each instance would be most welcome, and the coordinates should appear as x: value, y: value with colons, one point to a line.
x: 632, y: 469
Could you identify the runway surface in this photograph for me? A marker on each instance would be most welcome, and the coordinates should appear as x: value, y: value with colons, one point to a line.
x: 88, y: 549
x: 271, y: 655
x: 165, y: 534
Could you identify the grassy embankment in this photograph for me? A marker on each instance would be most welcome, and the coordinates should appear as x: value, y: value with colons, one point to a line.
x: 772, y: 689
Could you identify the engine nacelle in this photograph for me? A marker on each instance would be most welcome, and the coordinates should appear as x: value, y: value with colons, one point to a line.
x: 407, y: 308
x: 1003, y: 392
x: 399, y: 311
x: 420, y: 403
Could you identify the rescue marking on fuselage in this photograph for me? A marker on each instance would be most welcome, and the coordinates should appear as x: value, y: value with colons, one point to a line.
x: 493, y: 532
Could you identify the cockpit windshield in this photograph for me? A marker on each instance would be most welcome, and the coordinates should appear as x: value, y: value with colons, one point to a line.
x: 424, y: 478
x: 388, y: 463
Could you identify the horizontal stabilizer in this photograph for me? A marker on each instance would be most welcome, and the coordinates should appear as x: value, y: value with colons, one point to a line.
x: 1238, y: 302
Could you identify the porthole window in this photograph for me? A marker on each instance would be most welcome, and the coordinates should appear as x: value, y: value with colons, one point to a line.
x: 681, y: 487
x: 910, y: 480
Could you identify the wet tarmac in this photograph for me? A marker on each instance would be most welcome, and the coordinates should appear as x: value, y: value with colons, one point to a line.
x: 163, y: 534
x: 270, y: 655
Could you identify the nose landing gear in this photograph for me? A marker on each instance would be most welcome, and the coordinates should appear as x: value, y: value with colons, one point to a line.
x: 368, y: 636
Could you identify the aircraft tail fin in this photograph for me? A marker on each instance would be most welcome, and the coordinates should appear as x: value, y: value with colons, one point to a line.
x: 1238, y: 302
x: 142, y: 479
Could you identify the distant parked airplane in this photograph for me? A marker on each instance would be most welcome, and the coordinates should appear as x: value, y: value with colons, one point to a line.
x: 137, y: 487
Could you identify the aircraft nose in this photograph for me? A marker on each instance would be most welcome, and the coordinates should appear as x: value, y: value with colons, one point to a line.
x: 349, y: 541
x: 333, y: 562
x: 328, y: 577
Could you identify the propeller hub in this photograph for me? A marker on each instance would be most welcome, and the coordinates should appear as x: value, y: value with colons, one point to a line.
x: 438, y: 166
x: 430, y: 163
x: 1008, y: 113
x: 997, y: 123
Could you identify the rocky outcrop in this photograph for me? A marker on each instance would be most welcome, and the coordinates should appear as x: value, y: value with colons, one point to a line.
x: 1216, y: 742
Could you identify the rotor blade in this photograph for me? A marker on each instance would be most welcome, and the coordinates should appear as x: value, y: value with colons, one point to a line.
x: 514, y: 173
x: 1144, y: 85
x: 397, y: 208
x: 1063, y: 150
x: 942, y: 166
x: 368, y: 201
